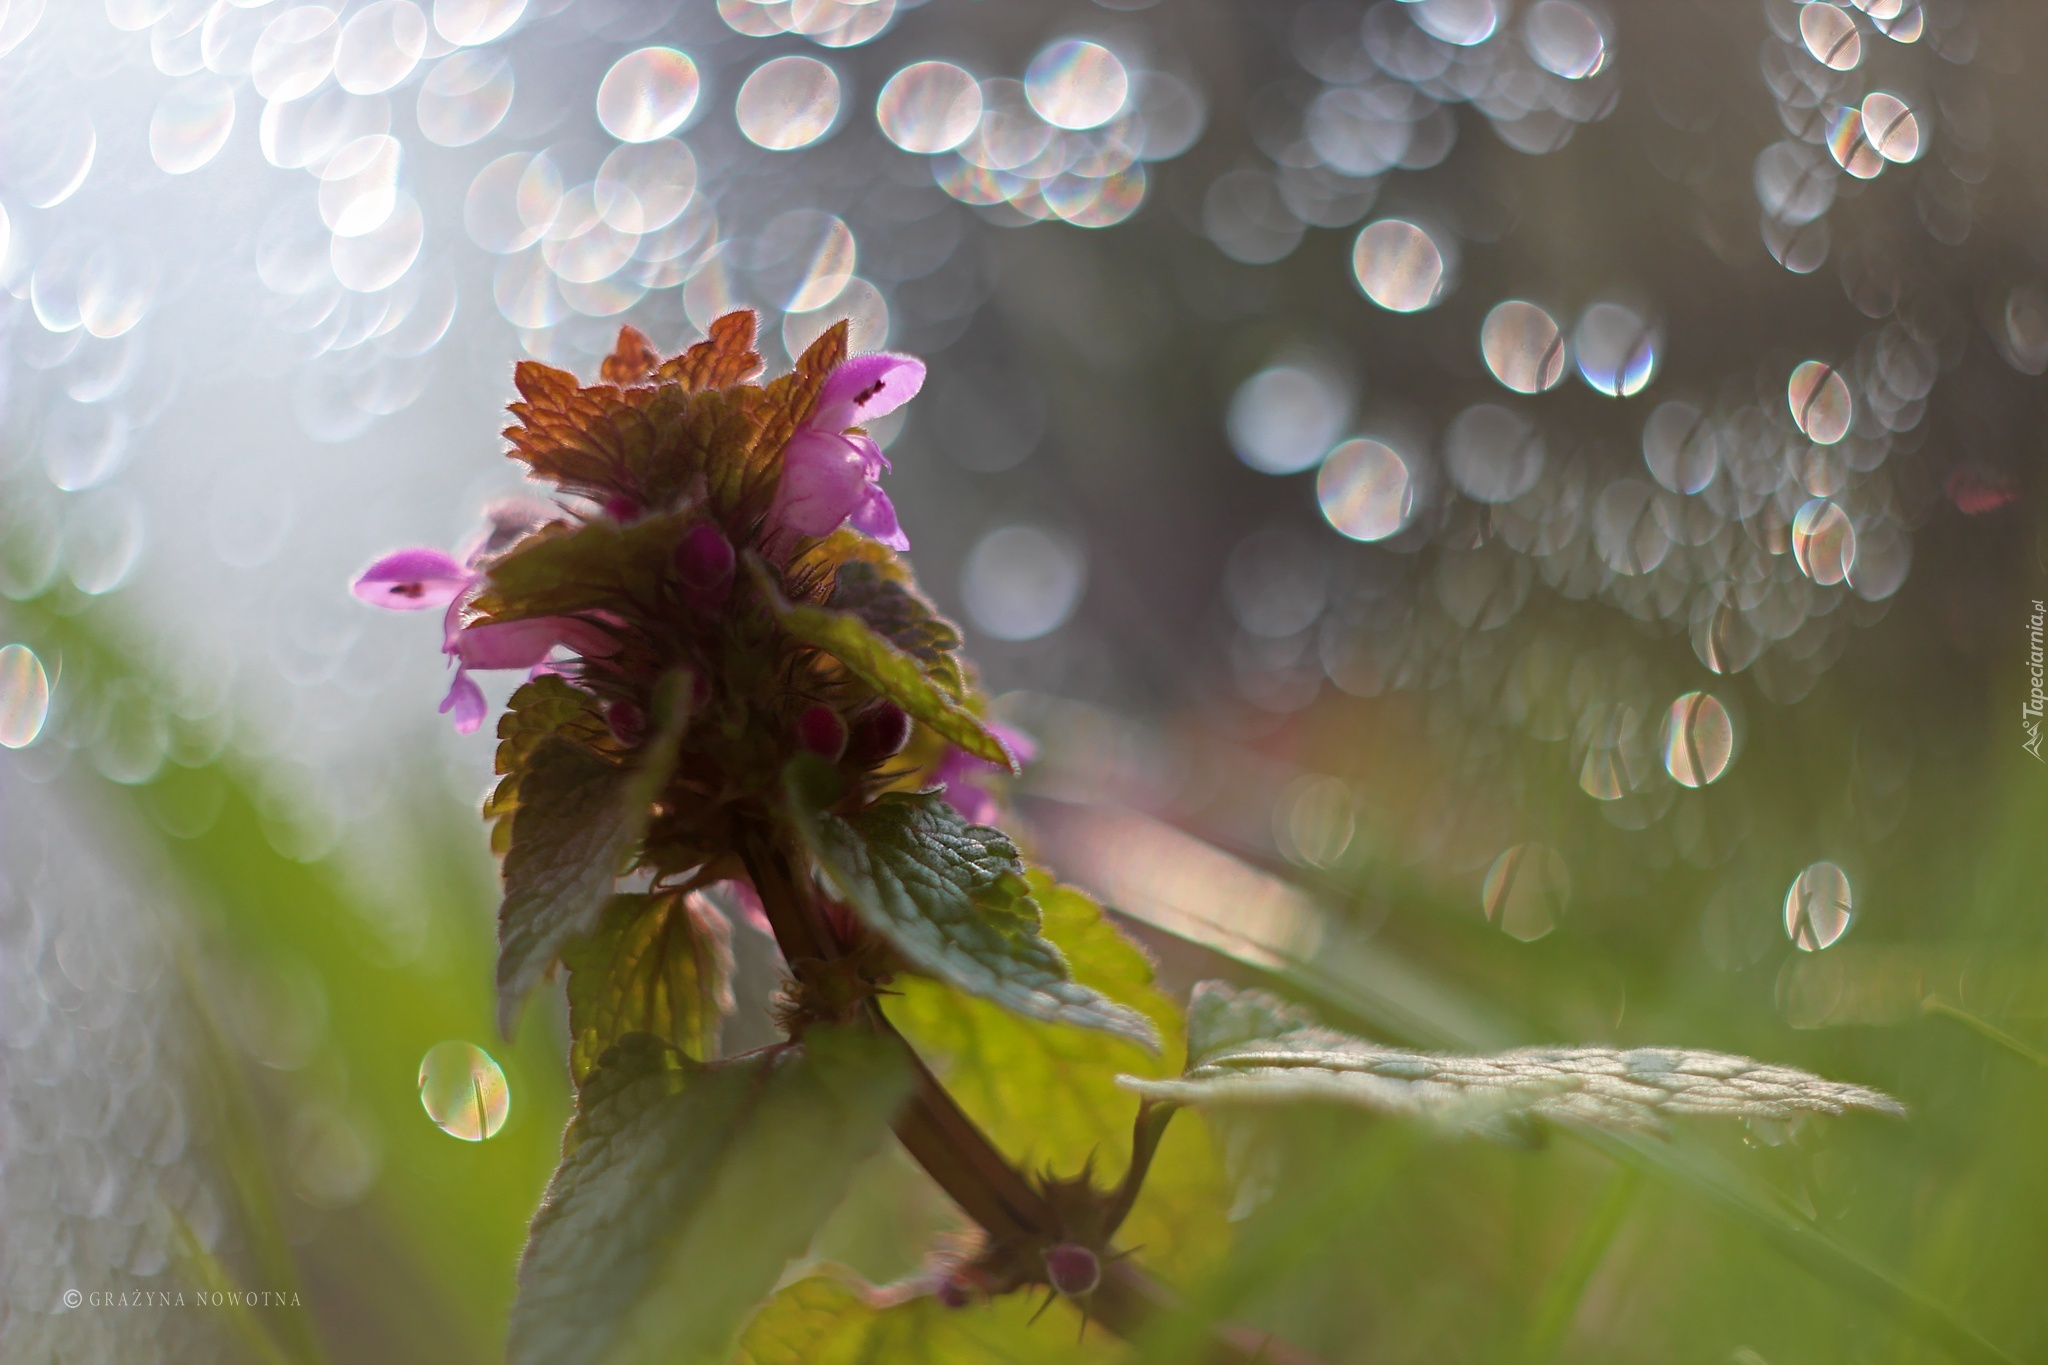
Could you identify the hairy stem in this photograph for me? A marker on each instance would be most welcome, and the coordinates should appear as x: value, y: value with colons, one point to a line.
x: 962, y: 1160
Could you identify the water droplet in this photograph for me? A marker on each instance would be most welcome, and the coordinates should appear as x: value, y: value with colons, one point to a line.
x: 464, y: 1091
x: 295, y: 53
x: 1399, y: 266
x: 1794, y: 182
x: 1316, y: 820
x: 1364, y: 490
x: 647, y: 94
x: 466, y: 23
x: 1680, y: 447
x: 1076, y: 84
x: 929, y: 107
x: 359, y: 185
x: 1564, y: 39
x: 1020, y: 582
x: 24, y: 696
x: 645, y: 186
x: 191, y: 123
x: 465, y: 97
x: 1818, y: 908
x: 788, y: 103
x: 372, y: 261
x: 1830, y: 35
x: 1527, y: 890
x: 1284, y: 419
x: 1616, y: 349
x: 1890, y: 126
x: 380, y: 45
x: 1699, y: 739
x: 1848, y: 145
x: 1467, y: 23
x: 1523, y: 346
x: 1493, y: 454
x: 1823, y: 541
x: 1820, y: 402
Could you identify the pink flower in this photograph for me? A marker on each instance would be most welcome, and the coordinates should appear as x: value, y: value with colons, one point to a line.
x: 961, y: 775
x: 413, y: 580
x: 829, y: 476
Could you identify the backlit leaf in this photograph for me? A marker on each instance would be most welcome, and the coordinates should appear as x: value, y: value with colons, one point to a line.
x: 1048, y: 1096
x: 902, y: 615
x: 597, y: 566
x: 684, y: 1191
x: 546, y: 706
x: 655, y: 964
x: 825, y: 1320
x: 952, y: 899
x: 1250, y: 1048
x: 897, y: 675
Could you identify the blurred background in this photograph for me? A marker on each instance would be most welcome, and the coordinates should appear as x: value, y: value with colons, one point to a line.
x: 1513, y: 520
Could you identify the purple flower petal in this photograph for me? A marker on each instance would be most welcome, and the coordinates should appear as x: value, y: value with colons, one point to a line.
x: 1022, y: 747
x: 866, y: 387
x: 975, y: 805
x: 876, y: 516
x: 823, y: 476
x: 466, y: 700
x: 523, y: 644
x: 412, y: 580
x: 873, y: 462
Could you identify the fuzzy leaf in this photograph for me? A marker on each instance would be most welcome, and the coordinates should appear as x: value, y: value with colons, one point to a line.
x: 656, y: 964
x: 546, y: 706
x: 829, y: 1320
x: 951, y: 898
x: 725, y: 357
x: 579, y: 818
x: 631, y: 361
x: 599, y: 565
x: 683, y: 1194
x: 899, y: 676
x: 1048, y: 1096
x: 1246, y: 1047
x: 902, y: 615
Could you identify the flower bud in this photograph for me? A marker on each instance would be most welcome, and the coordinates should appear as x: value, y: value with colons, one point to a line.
x: 953, y: 1294
x: 1072, y: 1269
x: 704, y: 566
x: 627, y: 722
x: 619, y: 507
x: 879, y: 732
x: 821, y: 731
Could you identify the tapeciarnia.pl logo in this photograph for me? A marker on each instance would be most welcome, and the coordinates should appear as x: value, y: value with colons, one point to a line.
x: 2030, y: 713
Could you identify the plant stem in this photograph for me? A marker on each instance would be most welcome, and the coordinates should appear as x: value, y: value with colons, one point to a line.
x: 954, y: 1151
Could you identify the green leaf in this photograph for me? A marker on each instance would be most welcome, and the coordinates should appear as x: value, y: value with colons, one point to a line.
x: 684, y: 1192
x: 595, y: 566
x: 872, y: 658
x: 825, y: 1320
x: 951, y: 898
x: 656, y: 964
x: 579, y: 819
x: 546, y: 706
x: 1048, y: 1096
x: 1249, y: 1048
x: 903, y: 616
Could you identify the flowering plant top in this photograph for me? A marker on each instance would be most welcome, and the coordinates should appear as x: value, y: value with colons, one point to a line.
x: 737, y: 696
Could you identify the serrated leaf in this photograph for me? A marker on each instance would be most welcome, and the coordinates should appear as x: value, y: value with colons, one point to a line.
x: 1249, y: 1048
x: 1048, y: 1096
x: 597, y: 566
x: 903, y: 616
x: 655, y: 964
x: 683, y: 1194
x: 579, y: 817
x: 548, y: 705
x: 951, y: 898
x: 826, y: 1320
x: 899, y: 676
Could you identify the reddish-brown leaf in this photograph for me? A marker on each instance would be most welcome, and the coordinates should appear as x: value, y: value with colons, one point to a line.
x: 725, y: 357
x: 632, y: 360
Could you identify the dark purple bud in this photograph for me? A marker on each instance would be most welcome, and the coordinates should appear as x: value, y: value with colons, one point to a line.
x: 1072, y: 1269
x: 821, y: 731
x: 879, y: 732
x: 953, y: 1293
x: 627, y: 722
x: 619, y: 507
x: 704, y: 565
